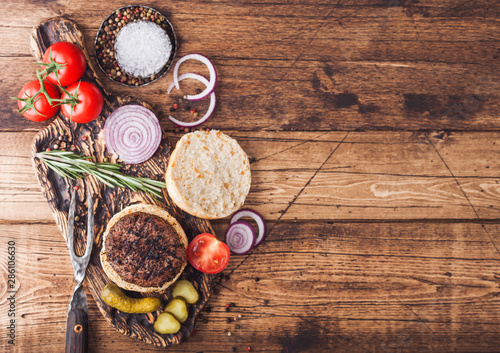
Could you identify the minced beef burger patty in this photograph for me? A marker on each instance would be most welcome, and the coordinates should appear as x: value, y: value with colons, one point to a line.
x: 145, y: 250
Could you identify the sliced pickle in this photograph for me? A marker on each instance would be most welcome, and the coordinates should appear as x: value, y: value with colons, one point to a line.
x: 178, y: 308
x: 186, y: 290
x: 166, y: 323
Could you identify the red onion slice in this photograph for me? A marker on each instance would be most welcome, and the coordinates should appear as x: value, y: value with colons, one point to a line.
x: 256, y: 217
x: 211, y: 68
x: 240, y: 237
x: 210, y: 109
x: 133, y: 132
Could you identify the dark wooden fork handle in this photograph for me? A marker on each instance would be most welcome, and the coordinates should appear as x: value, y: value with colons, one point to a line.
x: 77, y: 328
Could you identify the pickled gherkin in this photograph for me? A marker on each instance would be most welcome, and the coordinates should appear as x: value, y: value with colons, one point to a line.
x: 114, y: 297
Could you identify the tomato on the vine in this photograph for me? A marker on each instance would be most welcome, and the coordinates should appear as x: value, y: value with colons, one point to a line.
x: 84, y: 102
x: 34, y: 105
x: 208, y: 254
x: 66, y: 63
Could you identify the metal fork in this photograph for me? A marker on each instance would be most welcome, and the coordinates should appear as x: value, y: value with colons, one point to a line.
x: 77, y: 321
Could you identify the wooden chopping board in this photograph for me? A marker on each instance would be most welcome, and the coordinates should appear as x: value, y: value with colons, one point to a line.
x: 89, y: 141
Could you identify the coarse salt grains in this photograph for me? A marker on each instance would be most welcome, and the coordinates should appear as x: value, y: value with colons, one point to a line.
x: 142, y: 48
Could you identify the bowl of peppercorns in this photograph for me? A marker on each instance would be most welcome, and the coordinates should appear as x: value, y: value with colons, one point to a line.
x: 135, y: 45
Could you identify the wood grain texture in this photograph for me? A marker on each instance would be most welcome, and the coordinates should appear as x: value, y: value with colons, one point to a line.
x: 310, y: 287
x: 109, y: 201
x: 382, y: 203
x: 316, y: 65
x: 312, y: 175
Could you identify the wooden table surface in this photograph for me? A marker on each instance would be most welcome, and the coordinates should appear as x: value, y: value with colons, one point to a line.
x: 375, y: 132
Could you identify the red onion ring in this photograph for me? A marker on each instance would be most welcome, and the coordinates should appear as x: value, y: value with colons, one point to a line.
x: 240, y: 237
x: 211, y: 107
x: 256, y: 217
x: 133, y: 132
x: 211, y: 68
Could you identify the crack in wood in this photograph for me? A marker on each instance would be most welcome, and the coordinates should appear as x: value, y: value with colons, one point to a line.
x: 279, y: 221
x: 465, y: 195
x: 289, y: 148
x: 418, y: 317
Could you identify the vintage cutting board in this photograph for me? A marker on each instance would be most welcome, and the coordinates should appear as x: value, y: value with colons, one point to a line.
x: 89, y: 141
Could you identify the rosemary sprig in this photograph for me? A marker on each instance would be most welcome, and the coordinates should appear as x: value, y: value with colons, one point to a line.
x: 73, y: 166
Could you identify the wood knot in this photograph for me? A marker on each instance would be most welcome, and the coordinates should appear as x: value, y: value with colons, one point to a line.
x: 442, y: 135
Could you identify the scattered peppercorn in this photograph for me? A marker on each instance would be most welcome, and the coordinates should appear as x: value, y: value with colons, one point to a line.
x: 228, y: 320
x: 266, y: 301
x: 233, y: 349
x: 195, y: 115
x: 249, y: 349
x: 194, y: 332
x: 239, y: 316
x: 193, y: 111
x: 228, y: 305
x: 77, y: 218
x: 56, y: 147
x: 232, y: 305
x: 76, y: 187
x: 108, y: 32
x: 72, y: 147
x: 237, y: 326
x: 84, y: 138
x: 187, y: 107
x: 175, y: 106
x: 186, y: 129
x: 47, y: 149
x: 227, y: 309
x: 229, y: 333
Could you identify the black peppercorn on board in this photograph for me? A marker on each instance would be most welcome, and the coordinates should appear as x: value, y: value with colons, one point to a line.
x: 87, y: 139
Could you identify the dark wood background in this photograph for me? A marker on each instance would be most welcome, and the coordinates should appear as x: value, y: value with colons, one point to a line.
x: 375, y: 128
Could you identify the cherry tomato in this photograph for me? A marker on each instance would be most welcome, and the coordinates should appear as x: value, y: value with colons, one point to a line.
x: 208, y: 254
x: 73, y: 59
x: 89, y: 104
x: 42, y: 109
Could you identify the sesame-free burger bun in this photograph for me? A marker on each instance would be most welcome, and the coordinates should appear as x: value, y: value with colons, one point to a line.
x: 208, y: 174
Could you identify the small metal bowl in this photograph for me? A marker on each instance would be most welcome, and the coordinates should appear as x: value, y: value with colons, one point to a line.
x: 106, y: 37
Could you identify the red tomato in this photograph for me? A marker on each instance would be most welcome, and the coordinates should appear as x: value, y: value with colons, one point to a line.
x: 89, y: 104
x: 208, y: 254
x: 73, y: 59
x: 42, y: 109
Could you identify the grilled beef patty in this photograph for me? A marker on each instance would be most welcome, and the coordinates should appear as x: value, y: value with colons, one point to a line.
x: 145, y: 250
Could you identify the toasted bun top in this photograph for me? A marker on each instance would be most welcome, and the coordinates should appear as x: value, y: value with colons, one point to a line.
x: 208, y: 174
x: 143, y: 208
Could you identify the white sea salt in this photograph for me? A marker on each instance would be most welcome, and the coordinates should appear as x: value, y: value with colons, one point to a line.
x: 142, y: 48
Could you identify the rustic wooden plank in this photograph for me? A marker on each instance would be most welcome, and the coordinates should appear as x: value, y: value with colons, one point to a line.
x: 352, y: 287
x: 371, y: 175
x: 314, y: 77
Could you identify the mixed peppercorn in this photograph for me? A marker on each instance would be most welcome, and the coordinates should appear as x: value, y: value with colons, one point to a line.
x: 105, y: 42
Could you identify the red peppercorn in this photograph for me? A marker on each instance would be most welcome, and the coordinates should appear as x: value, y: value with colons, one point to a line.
x: 194, y: 332
x: 76, y: 187
x: 249, y: 349
x: 175, y: 106
x: 84, y: 138
x: 193, y: 111
x: 228, y: 305
x: 47, y: 149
